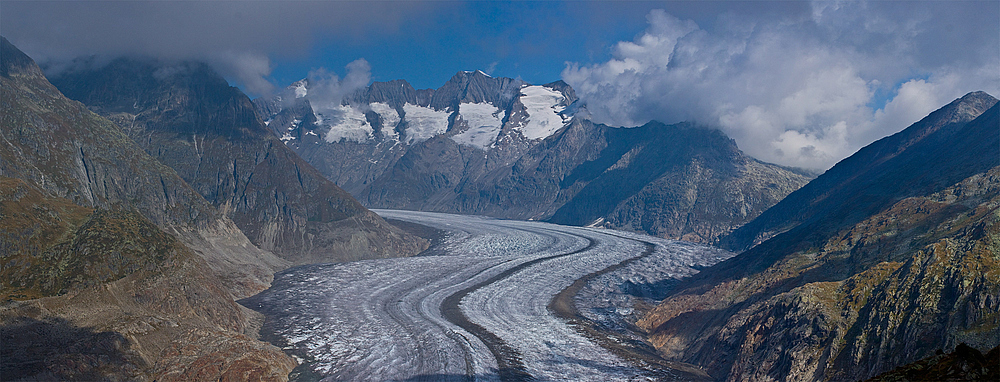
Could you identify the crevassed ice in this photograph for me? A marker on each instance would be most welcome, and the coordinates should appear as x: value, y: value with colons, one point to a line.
x: 484, y: 122
x: 423, y: 123
x: 390, y: 118
x: 346, y: 123
x: 543, y: 107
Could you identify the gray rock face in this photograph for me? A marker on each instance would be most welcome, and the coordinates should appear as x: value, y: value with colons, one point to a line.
x: 679, y: 181
x: 501, y: 147
x: 188, y: 117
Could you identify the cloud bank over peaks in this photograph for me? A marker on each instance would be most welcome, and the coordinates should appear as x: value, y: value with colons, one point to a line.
x: 797, y: 91
x: 249, y: 69
x: 326, y: 90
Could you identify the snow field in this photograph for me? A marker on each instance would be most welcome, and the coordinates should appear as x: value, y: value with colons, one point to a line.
x: 543, y: 106
x: 423, y: 123
x: 484, y: 120
x: 390, y: 118
x: 345, y: 122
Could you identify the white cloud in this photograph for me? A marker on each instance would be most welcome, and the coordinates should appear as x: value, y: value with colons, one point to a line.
x: 236, y: 37
x: 326, y: 90
x: 795, y: 91
x: 246, y: 68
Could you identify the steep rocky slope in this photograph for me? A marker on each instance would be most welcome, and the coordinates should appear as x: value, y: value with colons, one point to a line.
x: 679, y: 181
x: 187, y: 117
x: 111, y: 296
x: 110, y: 261
x: 893, y: 167
x: 883, y: 275
x: 71, y: 153
x: 505, y: 148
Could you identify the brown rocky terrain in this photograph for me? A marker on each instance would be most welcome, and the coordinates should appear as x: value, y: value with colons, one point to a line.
x: 895, y: 264
x: 963, y: 364
x: 65, y: 150
x: 105, y: 294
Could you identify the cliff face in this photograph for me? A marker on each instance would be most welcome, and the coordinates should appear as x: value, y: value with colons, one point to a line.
x: 108, y: 257
x: 187, y: 117
x: 851, y: 293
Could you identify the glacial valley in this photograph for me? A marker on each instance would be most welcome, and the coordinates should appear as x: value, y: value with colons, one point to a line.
x: 476, y: 306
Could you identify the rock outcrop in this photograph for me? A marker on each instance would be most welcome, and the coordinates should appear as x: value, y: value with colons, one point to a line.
x: 963, y: 364
x: 895, y: 256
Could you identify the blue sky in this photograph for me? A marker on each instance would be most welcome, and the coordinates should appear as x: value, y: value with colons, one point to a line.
x: 533, y: 40
x: 800, y: 83
x: 423, y: 42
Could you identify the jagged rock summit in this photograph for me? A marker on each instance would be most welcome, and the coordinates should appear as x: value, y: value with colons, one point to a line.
x: 502, y: 147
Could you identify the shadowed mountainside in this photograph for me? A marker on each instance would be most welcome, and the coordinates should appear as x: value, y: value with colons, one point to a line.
x: 897, y: 166
x: 963, y: 364
x: 62, y: 148
x: 897, y: 259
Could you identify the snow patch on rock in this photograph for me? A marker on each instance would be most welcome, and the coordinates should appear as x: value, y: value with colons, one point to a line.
x: 423, y: 123
x: 543, y: 106
x: 390, y: 118
x: 484, y: 122
x: 346, y: 123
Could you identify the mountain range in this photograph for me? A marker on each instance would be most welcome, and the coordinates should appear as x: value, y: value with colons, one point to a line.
x: 504, y: 148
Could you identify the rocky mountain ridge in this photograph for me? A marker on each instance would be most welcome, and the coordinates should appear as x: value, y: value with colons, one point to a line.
x: 189, y: 118
x: 894, y: 257
x: 505, y: 148
x: 113, y: 266
x: 869, y: 179
x: 71, y: 153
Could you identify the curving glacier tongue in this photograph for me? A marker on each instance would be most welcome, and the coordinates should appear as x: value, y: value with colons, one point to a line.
x: 392, y: 319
